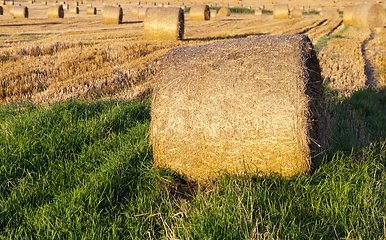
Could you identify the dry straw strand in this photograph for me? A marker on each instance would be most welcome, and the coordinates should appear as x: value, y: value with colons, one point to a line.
x: 112, y: 15
x: 20, y: 12
x: 347, y: 14
x: 142, y: 12
x: 91, y: 11
x: 74, y: 10
x: 218, y: 107
x: 213, y: 13
x: 224, y: 12
x: 164, y: 24
x: 55, y: 12
x: 199, y: 12
x: 296, y: 13
x: 258, y: 12
x: 280, y: 11
x: 369, y: 16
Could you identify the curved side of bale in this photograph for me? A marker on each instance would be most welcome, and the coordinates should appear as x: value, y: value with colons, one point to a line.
x: 91, y: 11
x: 296, y: 13
x: 347, y: 14
x: 199, y: 13
x: 134, y: 11
x: 112, y: 15
x: 74, y: 10
x: 44, y: 3
x: 142, y: 13
x: 224, y: 12
x: 258, y: 110
x: 20, y: 12
x: 258, y: 12
x: 1, y: 10
x: 164, y: 24
x: 280, y: 11
x: 213, y: 14
x: 369, y: 16
x: 55, y: 12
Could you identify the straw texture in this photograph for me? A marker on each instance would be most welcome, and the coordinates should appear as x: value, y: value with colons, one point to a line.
x: 280, y: 11
x: 112, y: 15
x: 74, y: 10
x: 224, y: 12
x: 44, y: 3
x: 258, y: 12
x: 55, y: 12
x: 91, y: 11
x: 329, y: 14
x: 199, y: 13
x: 296, y: 13
x: 134, y: 11
x: 213, y: 14
x: 369, y: 16
x: 347, y: 14
x: 164, y: 24
x: 20, y: 12
x: 1, y: 10
x: 142, y: 12
x: 218, y: 107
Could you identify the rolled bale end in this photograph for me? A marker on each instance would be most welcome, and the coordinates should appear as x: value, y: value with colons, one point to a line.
x: 368, y: 16
x: 112, y: 15
x: 246, y: 116
x: 74, y: 10
x: 280, y: 11
x: 142, y: 12
x: 75, y: 4
x: 258, y: 12
x: 347, y: 14
x: 224, y: 12
x: 55, y: 12
x: 199, y: 13
x: 213, y: 14
x: 164, y: 24
x: 134, y: 11
x: 20, y: 12
x: 1, y: 10
x: 296, y: 13
x: 44, y: 3
x: 91, y: 11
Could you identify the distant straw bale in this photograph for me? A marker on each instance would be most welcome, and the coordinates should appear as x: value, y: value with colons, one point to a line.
x: 10, y: 3
x: 280, y: 11
x: 347, y: 14
x: 89, y: 4
x: 91, y: 11
x: 66, y: 6
x: 213, y: 13
x: 296, y: 13
x: 75, y: 4
x: 329, y: 14
x: 74, y: 10
x: 262, y: 7
x: 55, y: 12
x: 368, y: 16
x: 31, y: 2
x: 224, y: 12
x: 1, y: 10
x: 164, y: 24
x: 134, y: 11
x: 20, y: 12
x: 218, y: 107
x: 258, y: 12
x: 11, y: 10
x: 112, y: 15
x: 142, y: 12
x: 199, y: 13
x: 44, y: 3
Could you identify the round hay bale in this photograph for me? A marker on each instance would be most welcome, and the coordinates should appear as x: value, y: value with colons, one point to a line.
x: 75, y: 4
x: 112, y: 15
x: 20, y: 12
x: 368, y: 16
x: 10, y: 3
x: 74, y: 10
x: 329, y: 14
x: 55, y: 12
x: 91, y: 11
x: 11, y: 10
x: 5, y: 8
x: 104, y: 4
x: 213, y: 13
x: 134, y: 11
x: 280, y: 11
x: 89, y: 4
x: 296, y: 13
x: 262, y: 7
x: 62, y: 3
x: 142, y: 13
x: 1, y: 10
x: 199, y: 13
x: 30, y: 2
x: 65, y: 6
x: 258, y: 12
x: 224, y: 12
x: 347, y: 14
x: 44, y: 3
x: 218, y: 107
x: 164, y: 24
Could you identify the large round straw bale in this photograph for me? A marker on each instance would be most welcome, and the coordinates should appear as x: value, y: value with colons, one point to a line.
x: 213, y: 13
x: 224, y: 12
x: 368, y: 15
x: 112, y: 15
x: 44, y: 3
x: 347, y: 14
x: 142, y: 12
x: 20, y: 12
x: 220, y: 107
x: 296, y: 13
x: 55, y: 12
x: 199, y: 12
x: 164, y: 24
x: 280, y: 11
x: 74, y: 10
x: 91, y: 11
x: 134, y: 11
x: 258, y: 12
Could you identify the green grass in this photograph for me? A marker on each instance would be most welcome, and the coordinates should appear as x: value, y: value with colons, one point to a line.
x: 83, y: 170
